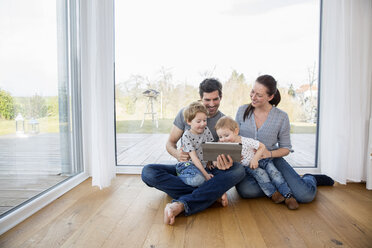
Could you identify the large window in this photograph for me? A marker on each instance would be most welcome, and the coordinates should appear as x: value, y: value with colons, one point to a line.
x: 38, y: 131
x: 164, y: 49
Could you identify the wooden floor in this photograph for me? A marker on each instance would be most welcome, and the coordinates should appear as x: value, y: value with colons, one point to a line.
x: 31, y: 164
x: 130, y: 214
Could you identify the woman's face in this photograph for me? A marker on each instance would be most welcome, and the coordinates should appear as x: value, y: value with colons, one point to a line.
x: 259, y: 95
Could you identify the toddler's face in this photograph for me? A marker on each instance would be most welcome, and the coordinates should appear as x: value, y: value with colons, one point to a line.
x: 226, y: 135
x: 199, y: 123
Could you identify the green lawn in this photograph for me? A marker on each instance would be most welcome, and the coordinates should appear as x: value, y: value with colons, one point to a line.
x: 165, y: 126
x: 46, y: 125
x: 51, y: 125
x: 301, y: 127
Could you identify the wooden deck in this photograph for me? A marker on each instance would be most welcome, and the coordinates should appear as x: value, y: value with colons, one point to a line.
x: 30, y: 165
x: 142, y: 149
x: 130, y: 214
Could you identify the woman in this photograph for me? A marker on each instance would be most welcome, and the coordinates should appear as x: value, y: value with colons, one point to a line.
x: 263, y: 121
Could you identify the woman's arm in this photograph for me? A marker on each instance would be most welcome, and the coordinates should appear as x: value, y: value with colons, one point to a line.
x: 281, y: 152
x: 199, y: 165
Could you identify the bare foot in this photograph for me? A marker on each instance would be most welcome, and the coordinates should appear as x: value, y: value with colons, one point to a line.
x: 223, y: 200
x: 171, y: 210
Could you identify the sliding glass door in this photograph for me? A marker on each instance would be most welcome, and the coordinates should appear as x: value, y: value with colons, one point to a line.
x: 38, y: 99
x: 164, y: 49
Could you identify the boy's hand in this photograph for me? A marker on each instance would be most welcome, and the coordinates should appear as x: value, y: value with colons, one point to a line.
x: 253, y: 164
x: 208, y: 176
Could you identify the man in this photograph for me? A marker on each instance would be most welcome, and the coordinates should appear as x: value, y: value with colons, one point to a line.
x: 163, y: 177
x: 210, y: 91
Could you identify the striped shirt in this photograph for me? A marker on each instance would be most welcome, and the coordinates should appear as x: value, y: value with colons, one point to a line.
x: 274, y: 132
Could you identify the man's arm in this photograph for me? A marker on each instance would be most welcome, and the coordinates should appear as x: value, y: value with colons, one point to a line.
x: 171, y: 145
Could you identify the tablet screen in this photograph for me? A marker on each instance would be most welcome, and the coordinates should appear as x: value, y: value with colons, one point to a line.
x: 212, y: 149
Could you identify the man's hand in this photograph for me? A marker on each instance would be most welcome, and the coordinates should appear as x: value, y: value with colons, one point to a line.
x: 224, y: 163
x: 182, y: 156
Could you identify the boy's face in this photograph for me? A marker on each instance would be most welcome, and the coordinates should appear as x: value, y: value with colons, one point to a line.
x: 199, y: 123
x: 227, y: 135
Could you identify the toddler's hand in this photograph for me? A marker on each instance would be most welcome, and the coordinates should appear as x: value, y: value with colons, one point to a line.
x: 210, y: 165
x: 253, y: 164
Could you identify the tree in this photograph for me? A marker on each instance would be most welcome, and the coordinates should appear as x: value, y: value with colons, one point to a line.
x: 6, y: 105
x: 291, y: 91
x: 38, y: 107
x: 235, y: 93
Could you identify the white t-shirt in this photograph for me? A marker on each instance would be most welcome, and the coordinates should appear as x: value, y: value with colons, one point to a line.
x: 193, y: 142
x: 248, y: 149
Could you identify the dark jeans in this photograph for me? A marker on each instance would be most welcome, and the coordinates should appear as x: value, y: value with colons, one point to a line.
x: 164, y: 178
x: 303, y: 188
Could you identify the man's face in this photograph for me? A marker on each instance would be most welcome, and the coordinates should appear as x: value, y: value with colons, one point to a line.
x: 211, y: 101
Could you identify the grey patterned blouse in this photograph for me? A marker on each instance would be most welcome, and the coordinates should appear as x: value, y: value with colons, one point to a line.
x: 274, y: 132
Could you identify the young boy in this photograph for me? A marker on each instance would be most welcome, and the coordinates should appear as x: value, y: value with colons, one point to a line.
x: 193, y: 172
x: 263, y: 170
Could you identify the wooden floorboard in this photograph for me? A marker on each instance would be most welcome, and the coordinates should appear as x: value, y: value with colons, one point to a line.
x: 130, y: 214
x: 30, y: 165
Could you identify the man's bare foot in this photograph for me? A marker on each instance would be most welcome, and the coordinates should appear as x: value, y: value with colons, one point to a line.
x: 171, y: 210
x: 223, y: 200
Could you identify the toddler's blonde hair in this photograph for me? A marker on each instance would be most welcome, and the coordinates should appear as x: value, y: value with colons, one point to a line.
x: 226, y: 122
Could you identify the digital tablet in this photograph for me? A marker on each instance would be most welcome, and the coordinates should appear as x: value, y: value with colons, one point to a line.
x: 212, y: 149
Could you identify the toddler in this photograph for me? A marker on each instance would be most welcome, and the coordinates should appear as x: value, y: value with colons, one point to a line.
x: 267, y: 176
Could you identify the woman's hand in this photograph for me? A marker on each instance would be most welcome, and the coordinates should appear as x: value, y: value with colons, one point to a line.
x: 266, y: 154
x: 224, y: 163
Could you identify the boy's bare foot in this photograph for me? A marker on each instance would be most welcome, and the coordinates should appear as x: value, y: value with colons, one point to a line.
x: 223, y: 200
x: 171, y: 210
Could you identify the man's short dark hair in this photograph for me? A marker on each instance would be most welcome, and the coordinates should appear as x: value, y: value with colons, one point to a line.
x: 209, y: 85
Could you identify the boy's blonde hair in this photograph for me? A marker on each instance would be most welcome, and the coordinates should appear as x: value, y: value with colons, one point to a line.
x: 190, y: 111
x: 226, y: 122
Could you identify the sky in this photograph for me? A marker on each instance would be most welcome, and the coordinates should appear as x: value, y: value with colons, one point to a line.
x: 188, y: 38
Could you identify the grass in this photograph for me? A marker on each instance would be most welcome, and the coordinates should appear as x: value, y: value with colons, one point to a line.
x: 51, y: 125
x: 303, y: 127
x: 133, y: 126
x: 46, y: 125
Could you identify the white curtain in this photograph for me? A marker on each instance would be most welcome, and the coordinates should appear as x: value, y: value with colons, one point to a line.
x: 346, y: 89
x: 97, y: 77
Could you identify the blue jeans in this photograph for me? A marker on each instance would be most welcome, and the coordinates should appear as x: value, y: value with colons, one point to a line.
x: 303, y: 188
x: 269, y: 178
x: 189, y: 174
x: 163, y: 177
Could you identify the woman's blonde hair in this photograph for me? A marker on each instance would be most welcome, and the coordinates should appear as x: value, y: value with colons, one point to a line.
x: 190, y: 111
x: 226, y: 122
